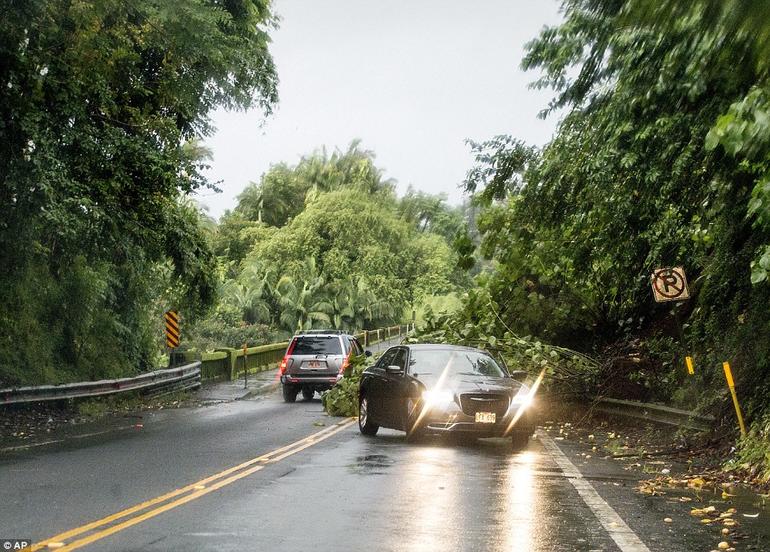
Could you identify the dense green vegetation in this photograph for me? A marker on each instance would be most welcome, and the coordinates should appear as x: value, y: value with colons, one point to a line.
x: 327, y: 243
x: 101, y: 104
x: 661, y: 159
x: 102, y: 111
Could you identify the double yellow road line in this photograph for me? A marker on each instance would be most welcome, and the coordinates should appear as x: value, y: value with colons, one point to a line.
x: 101, y: 528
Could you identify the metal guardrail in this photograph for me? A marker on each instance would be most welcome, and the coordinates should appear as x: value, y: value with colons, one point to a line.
x: 159, y: 381
x: 655, y: 413
x: 188, y: 376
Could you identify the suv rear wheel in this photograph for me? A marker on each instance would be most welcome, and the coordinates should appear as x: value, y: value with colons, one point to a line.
x: 289, y: 393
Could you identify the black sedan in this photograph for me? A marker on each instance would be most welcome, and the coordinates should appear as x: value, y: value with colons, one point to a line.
x: 444, y: 389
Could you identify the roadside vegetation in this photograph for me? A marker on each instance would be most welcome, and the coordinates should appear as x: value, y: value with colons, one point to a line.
x: 660, y: 159
x: 102, y: 107
x: 103, y: 111
x: 342, y: 399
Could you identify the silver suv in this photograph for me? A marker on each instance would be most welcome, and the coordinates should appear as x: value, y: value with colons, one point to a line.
x: 315, y: 361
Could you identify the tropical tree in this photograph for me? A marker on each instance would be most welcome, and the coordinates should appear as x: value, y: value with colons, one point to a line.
x: 659, y: 160
x: 101, y: 104
x: 250, y: 294
x: 355, y: 306
x: 430, y: 213
x: 327, y: 242
x: 282, y: 192
x: 304, y: 301
x: 343, y: 303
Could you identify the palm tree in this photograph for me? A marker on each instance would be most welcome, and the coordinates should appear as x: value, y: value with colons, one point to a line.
x: 369, y: 307
x: 343, y: 300
x: 249, y: 301
x: 251, y: 294
x: 356, y: 305
x: 304, y: 301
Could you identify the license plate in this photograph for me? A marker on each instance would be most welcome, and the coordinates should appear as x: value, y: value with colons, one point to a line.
x: 485, y: 417
x: 313, y: 364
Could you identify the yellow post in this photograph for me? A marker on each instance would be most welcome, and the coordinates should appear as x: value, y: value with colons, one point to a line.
x: 245, y: 367
x: 690, y: 367
x: 731, y: 385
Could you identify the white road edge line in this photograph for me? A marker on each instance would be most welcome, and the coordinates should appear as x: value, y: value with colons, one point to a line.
x: 621, y: 533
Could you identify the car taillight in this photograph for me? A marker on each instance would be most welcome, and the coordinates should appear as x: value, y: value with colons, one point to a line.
x: 345, y: 363
x: 285, y: 361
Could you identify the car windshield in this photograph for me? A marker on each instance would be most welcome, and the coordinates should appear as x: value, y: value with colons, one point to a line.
x: 430, y: 365
x: 317, y: 345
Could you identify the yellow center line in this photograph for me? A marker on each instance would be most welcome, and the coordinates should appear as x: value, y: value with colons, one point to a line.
x: 271, y: 457
x: 143, y: 505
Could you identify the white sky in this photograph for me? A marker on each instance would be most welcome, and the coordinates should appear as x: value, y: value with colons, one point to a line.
x: 411, y: 78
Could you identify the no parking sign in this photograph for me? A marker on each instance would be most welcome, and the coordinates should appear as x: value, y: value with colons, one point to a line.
x: 670, y: 284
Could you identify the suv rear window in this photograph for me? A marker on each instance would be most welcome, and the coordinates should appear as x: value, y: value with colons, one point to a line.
x: 317, y: 345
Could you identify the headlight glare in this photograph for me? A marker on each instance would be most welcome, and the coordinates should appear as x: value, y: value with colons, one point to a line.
x: 437, y: 397
x: 522, y: 399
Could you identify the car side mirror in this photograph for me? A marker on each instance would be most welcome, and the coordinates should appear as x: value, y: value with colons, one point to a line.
x: 519, y: 374
x: 394, y: 370
x: 368, y: 353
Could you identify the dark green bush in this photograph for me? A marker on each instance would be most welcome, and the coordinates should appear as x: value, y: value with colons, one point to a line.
x: 342, y: 399
x: 213, y: 333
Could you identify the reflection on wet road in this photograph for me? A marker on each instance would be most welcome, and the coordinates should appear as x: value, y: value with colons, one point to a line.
x: 439, y: 486
x: 483, y: 496
x: 382, y: 493
x: 427, y: 484
x: 517, y: 484
x: 346, y: 492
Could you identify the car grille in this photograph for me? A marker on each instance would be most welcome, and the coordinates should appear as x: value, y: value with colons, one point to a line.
x: 484, y: 402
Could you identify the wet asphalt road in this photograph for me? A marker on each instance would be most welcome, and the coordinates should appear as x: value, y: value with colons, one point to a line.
x: 345, y: 492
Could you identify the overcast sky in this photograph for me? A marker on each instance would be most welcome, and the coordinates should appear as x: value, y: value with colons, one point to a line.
x: 411, y: 78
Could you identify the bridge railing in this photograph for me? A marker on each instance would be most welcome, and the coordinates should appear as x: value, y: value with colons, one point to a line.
x: 230, y: 363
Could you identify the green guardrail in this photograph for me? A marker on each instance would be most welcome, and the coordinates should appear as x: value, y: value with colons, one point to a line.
x: 229, y: 364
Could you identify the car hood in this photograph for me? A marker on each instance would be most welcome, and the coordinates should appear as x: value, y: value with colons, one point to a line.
x: 480, y: 384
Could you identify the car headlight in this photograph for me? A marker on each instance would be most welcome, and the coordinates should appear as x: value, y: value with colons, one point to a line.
x: 440, y: 398
x: 522, y: 399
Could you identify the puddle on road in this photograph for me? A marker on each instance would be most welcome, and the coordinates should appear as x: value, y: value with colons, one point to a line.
x: 371, y: 464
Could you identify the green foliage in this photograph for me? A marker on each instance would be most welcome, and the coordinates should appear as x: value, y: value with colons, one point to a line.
x: 344, y: 246
x: 500, y: 164
x: 661, y: 159
x: 342, y: 399
x: 565, y: 371
x: 326, y: 243
x: 744, y: 132
x: 429, y: 213
x: 283, y: 192
x: 101, y: 106
x: 212, y: 333
x: 733, y: 36
x: 735, y: 22
x: 754, y: 450
x: 438, y: 304
x: 465, y: 249
x: 625, y: 186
